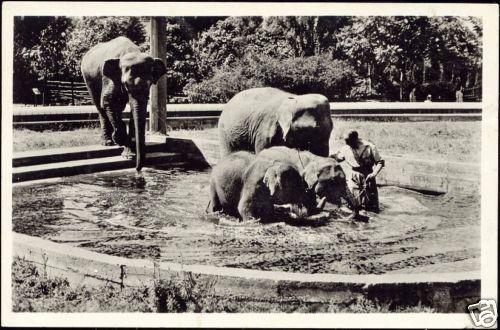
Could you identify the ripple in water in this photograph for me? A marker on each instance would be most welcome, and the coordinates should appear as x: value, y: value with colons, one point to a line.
x: 161, y: 215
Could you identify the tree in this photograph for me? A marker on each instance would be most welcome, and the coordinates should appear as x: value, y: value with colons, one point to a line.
x: 300, y: 35
x: 225, y: 42
x: 455, y: 46
x: 39, y: 42
x: 180, y: 61
x: 49, y: 53
x: 393, y: 52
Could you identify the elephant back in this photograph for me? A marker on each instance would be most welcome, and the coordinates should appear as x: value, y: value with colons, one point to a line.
x: 260, y: 118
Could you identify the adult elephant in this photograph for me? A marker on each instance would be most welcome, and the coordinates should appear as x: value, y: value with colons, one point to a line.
x: 323, y: 175
x: 117, y: 73
x: 259, y: 118
x: 246, y: 187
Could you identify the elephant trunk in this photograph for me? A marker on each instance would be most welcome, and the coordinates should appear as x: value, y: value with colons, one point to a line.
x: 138, y: 110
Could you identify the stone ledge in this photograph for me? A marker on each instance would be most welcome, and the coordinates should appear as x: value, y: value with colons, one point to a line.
x: 50, y: 163
x: 410, y: 173
x: 446, y: 292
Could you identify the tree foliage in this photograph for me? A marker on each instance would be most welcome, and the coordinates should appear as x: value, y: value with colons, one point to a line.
x: 39, y: 44
x: 180, y: 61
x: 401, y: 52
x: 91, y: 30
x: 225, y: 42
x: 212, y: 58
x: 300, y: 75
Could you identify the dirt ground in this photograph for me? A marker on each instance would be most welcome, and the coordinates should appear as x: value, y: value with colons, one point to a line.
x: 112, y: 213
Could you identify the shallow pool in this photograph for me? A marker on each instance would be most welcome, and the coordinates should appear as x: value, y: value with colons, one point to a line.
x: 161, y: 215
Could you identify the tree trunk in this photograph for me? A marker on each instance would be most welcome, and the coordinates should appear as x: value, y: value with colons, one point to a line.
x: 369, y: 66
x: 401, y: 74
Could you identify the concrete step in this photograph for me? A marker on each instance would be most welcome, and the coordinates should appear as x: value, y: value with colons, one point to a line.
x: 90, y: 165
x: 30, y: 158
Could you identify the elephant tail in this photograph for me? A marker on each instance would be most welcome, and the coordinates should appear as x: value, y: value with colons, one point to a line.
x: 208, y: 205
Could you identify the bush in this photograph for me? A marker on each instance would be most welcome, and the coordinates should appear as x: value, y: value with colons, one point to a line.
x: 314, y: 74
x: 221, y: 87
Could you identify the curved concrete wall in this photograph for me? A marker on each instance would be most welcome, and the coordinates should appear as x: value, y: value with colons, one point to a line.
x: 445, y: 292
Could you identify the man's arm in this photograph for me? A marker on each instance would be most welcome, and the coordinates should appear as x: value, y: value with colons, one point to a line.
x: 376, y: 170
x: 379, y: 164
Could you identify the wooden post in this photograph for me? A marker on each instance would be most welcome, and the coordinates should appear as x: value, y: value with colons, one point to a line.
x: 158, y: 115
x: 72, y: 93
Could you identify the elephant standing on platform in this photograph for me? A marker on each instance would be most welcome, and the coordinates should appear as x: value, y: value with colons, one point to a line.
x: 117, y: 73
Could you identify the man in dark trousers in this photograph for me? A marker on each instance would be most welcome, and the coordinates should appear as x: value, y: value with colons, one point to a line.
x: 364, y: 163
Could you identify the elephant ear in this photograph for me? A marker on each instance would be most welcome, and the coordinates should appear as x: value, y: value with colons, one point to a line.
x: 271, y: 179
x: 310, y: 174
x: 285, y: 115
x: 338, y: 172
x: 111, y: 69
x: 158, y: 70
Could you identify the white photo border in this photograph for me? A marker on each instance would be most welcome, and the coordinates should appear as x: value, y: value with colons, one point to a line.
x: 489, y: 160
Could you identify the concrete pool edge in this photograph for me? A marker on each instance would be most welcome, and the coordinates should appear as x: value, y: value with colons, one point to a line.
x: 445, y: 292
x: 426, y: 175
x: 450, y: 292
x: 411, y: 173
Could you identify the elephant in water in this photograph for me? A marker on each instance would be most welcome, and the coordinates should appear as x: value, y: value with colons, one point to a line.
x: 117, y: 73
x: 260, y: 118
x: 246, y: 187
x: 323, y: 175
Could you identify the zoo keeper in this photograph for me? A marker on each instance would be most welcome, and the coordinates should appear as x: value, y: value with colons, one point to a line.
x: 365, y: 163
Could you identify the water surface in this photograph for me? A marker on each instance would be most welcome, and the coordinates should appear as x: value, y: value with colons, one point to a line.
x: 161, y: 215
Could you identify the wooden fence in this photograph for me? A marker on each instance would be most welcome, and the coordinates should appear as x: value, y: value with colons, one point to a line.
x: 473, y: 94
x: 66, y: 93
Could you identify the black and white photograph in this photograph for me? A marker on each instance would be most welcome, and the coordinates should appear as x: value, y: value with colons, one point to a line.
x: 250, y: 164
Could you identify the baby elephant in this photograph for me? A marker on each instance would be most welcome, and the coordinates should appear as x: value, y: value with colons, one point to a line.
x: 323, y: 175
x: 246, y: 187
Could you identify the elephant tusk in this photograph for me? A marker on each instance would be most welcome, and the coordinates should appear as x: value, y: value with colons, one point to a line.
x: 321, y: 204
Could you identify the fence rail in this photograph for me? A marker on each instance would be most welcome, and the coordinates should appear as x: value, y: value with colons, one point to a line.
x: 473, y: 94
x: 75, y: 93
x: 66, y: 92
x: 410, y: 111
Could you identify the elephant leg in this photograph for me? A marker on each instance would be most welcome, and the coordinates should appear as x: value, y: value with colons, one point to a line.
x: 131, y: 131
x: 119, y: 135
x: 129, y: 148
x: 215, y: 204
x: 107, y: 129
x: 224, y: 149
x: 113, y: 102
x: 253, y: 206
x: 245, y: 210
x: 323, y: 149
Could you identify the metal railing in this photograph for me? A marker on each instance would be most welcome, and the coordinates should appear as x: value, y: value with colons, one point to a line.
x: 24, y: 115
